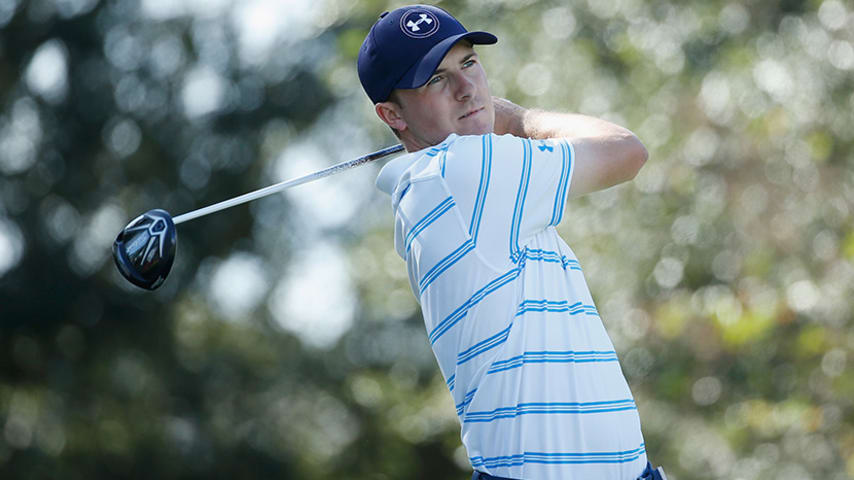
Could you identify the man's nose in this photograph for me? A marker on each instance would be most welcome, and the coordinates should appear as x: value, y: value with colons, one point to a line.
x: 464, y: 87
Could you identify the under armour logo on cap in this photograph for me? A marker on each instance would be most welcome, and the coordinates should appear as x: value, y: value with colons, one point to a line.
x: 419, y: 23
x: 414, y: 25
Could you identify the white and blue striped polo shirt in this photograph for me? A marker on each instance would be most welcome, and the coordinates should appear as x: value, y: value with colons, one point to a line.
x: 534, y: 376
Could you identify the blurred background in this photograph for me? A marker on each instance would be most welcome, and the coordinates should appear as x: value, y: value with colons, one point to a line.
x: 286, y: 342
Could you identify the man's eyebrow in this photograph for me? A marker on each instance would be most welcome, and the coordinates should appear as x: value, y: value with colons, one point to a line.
x: 463, y: 60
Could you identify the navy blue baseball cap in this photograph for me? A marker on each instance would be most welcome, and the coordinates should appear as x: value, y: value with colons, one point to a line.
x: 405, y: 47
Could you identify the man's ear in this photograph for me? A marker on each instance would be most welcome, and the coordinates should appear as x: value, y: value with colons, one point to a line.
x: 389, y: 112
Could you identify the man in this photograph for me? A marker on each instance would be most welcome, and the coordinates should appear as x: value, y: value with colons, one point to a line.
x: 534, y: 376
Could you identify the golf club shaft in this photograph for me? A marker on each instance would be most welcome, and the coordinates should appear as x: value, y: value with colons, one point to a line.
x: 248, y: 197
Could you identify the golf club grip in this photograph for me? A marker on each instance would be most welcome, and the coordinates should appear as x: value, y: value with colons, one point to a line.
x: 248, y: 197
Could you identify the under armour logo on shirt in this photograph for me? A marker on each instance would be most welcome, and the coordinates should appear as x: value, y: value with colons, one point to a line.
x: 419, y: 24
x: 543, y: 146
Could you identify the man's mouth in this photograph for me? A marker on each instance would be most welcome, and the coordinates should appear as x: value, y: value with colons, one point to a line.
x: 471, y: 113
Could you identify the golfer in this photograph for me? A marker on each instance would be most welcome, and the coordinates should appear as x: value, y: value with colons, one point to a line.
x: 534, y: 376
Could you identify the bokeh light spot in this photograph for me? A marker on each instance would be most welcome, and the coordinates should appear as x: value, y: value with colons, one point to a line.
x: 203, y: 92
x: 315, y: 301
x: 11, y: 245
x: 832, y: 14
x: 123, y: 137
x: 802, y: 295
x: 47, y: 73
x: 534, y: 79
x: 559, y: 23
x: 706, y: 391
x: 734, y: 18
x: 238, y: 285
x: 668, y: 272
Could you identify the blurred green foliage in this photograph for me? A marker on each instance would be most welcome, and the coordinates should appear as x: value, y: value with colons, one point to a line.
x: 286, y: 342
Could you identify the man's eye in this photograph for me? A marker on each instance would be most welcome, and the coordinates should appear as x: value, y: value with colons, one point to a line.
x: 469, y: 63
x: 434, y: 80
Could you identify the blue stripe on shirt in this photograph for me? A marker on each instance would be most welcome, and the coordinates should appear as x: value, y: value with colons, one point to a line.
x: 497, y: 339
x: 576, y: 308
x: 444, y: 159
x: 405, y: 189
x: 524, y: 179
x: 461, y: 407
x: 445, y: 264
x: 433, y: 151
x: 564, y: 191
x: 555, y: 408
x: 560, y: 195
x: 558, y: 457
x: 550, y: 256
x: 568, y: 356
x: 439, y: 150
x: 484, y: 345
x: 463, y: 309
x: 428, y: 219
x: 485, y: 169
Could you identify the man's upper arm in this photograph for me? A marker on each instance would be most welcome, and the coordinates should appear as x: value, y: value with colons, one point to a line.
x: 604, y: 161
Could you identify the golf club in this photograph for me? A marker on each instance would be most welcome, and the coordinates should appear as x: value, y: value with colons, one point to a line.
x: 145, y: 249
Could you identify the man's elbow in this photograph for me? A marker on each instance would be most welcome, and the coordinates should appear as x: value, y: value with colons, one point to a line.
x: 636, y: 156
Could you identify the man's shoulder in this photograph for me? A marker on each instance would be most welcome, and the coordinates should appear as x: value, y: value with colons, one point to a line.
x: 476, y: 146
x: 505, y: 144
x: 455, y: 155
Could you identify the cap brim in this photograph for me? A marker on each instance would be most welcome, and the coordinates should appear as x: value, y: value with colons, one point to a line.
x: 423, y: 69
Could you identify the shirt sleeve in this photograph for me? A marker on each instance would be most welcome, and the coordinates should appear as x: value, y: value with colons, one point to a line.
x: 541, y: 197
x: 538, y: 185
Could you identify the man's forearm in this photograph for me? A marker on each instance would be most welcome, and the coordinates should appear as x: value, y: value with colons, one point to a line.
x: 539, y: 124
x: 609, y: 154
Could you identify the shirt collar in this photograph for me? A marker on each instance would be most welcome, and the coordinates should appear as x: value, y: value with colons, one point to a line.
x: 392, y: 171
x: 390, y: 174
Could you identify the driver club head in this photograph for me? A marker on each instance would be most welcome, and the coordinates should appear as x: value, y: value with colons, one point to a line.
x: 145, y: 248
